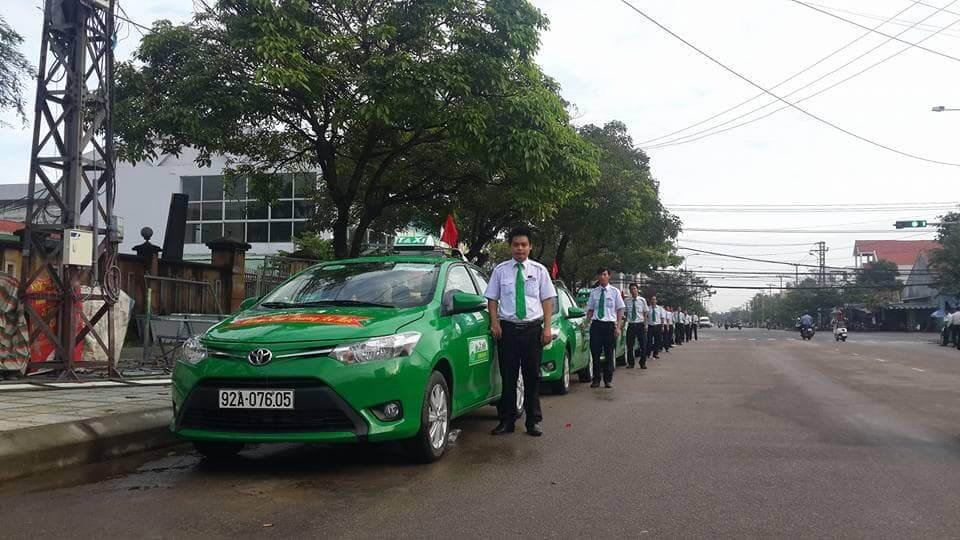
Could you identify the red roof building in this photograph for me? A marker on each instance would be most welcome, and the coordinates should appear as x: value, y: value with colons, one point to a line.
x: 903, y: 253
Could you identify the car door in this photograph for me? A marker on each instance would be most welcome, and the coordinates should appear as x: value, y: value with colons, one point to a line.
x: 580, y: 350
x: 493, y: 383
x: 467, y: 342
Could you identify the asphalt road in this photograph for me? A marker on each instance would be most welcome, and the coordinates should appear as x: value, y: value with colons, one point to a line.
x: 744, y: 433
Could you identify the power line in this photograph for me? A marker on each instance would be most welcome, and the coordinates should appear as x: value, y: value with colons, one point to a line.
x: 693, y: 136
x: 893, y: 20
x: 912, y: 44
x: 798, y: 108
x: 779, y: 84
x: 801, y: 231
x: 709, y: 132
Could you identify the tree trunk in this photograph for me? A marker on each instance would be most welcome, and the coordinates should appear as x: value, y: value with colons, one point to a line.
x: 356, y: 243
x: 340, y: 229
x: 562, y: 250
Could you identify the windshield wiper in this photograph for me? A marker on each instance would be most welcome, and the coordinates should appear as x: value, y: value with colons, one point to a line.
x: 359, y: 303
x: 278, y: 305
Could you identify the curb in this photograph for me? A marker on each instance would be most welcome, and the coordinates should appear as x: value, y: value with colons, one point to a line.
x: 27, y: 451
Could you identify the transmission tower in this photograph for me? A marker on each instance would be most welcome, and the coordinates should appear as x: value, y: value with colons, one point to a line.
x: 70, y: 236
x: 821, y: 252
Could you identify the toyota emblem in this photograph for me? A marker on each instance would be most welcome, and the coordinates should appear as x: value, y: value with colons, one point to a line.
x: 259, y: 357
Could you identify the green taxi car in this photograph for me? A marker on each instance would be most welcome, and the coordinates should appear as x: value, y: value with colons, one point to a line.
x: 569, y: 351
x: 370, y: 349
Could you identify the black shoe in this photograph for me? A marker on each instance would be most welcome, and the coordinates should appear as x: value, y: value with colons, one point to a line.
x: 643, y: 366
x: 535, y: 430
x: 608, y: 385
x: 629, y: 366
x: 595, y: 384
x: 503, y: 428
x: 656, y: 357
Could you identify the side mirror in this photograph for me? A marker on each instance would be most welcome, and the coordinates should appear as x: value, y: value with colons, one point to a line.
x: 467, y: 303
x: 573, y: 312
x: 248, y: 303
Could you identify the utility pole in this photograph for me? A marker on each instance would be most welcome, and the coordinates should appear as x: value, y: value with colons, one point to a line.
x: 821, y: 252
x: 70, y: 235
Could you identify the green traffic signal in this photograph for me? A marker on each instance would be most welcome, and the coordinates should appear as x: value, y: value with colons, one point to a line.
x: 915, y: 224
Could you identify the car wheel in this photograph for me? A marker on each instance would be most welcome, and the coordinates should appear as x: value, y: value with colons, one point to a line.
x: 562, y: 386
x: 586, y: 374
x: 430, y: 443
x: 218, y: 450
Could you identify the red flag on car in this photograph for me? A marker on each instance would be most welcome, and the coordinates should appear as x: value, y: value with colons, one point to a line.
x: 448, y: 233
x: 555, y: 270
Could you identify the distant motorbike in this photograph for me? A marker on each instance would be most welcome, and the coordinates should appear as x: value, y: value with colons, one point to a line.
x: 840, y: 333
x: 807, y: 332
x: 739, y: 326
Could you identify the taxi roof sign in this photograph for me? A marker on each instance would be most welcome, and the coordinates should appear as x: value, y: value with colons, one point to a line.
x: 415, y: 241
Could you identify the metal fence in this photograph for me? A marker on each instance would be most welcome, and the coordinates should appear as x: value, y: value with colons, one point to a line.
x: 273, y: 271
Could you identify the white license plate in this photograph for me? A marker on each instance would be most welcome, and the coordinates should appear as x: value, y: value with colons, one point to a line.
x: 256, y: 399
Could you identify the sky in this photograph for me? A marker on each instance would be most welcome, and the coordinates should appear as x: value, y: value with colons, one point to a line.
x: 613, y: 64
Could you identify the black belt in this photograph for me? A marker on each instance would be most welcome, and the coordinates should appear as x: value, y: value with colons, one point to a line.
x: 640, y: 322
x: 595, y: 321
x: 525, y: 324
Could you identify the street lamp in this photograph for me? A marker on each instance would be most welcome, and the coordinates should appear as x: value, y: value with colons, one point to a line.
x: 941, y: 108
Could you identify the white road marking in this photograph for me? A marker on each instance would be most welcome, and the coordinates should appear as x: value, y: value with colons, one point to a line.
x: 855, y: 354
x: 771, y: 339
x: 752, y: 339
x: 880, y: 360
x: 918, y: 369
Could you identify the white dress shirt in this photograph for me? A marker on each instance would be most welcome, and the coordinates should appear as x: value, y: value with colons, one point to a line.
x: 668, y: 317
x: 612, y: 303
x: 656, y: 315
x: 642, y: 309
x: 537, y: 287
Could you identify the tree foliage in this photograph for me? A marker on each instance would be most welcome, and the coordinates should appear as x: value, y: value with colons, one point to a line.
x: 397, y: 104
x: 946, y: 261
x: 14, y: 70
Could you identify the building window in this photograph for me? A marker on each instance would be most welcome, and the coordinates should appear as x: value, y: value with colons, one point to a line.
x: 10, y: 268
x: 219, y: 208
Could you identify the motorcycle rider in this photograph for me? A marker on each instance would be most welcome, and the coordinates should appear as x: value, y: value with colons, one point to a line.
x: 805, y: 322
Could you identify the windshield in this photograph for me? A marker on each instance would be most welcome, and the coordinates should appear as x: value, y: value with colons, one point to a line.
x: 383, y: 284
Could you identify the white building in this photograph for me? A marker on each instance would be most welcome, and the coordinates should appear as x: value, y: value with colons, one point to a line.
x: 214, y: 210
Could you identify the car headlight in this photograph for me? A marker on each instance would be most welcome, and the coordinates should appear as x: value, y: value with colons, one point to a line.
x: 381, y: 348
x: 193, y: 351
x: 554, y: 333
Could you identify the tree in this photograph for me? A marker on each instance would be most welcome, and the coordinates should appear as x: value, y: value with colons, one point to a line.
x: 14, y: 68
x: 945, y: 262
x: 618, y: 221
x: 391, y: 101
x: 677, y: 289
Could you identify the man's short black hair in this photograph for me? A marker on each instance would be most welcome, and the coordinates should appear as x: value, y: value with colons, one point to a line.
x: 602, y: 269
x: 519, y: 231
x: 635, y: 286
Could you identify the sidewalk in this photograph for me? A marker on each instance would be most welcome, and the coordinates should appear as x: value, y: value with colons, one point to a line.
x: 47, y: 425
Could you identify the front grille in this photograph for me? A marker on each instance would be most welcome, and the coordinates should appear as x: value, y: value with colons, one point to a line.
x: 265, y: 421
x: 317, y: 408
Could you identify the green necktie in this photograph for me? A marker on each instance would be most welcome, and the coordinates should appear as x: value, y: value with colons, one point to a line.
x: 602, y: 302
x: 653, y: 314
x: 633, y: 312
x: 520, y: 293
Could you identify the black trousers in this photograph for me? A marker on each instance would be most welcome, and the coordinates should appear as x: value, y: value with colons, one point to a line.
x: 689, y: 332
x: 520, y: 351
x: 679, y: 333
x: 694, y: 326
x: 603, y: 340
x: 955, y: 335
x: 654, y: 340
x: 667, y: 336
x: 636, y: 338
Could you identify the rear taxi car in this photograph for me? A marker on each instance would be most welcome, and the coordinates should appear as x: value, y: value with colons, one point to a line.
x: 569, y: 351
x: 369, y: 349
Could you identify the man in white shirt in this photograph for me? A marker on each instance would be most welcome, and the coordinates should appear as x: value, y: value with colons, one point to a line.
x: 667, y: 328
x: 694, y: 325
x: 605, y: 309
x: 636, y: 327
x: 520, y: 297
x: 955, y: 328
x: 654, y: 328
x: 679, y: 326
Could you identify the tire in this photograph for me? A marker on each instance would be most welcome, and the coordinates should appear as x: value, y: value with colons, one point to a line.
x: 586, y: 374
x: 562, y: 386
x: 430, y: 443
x: 218, y: 450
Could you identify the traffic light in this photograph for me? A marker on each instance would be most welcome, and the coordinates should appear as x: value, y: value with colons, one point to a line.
x: 915, y: 224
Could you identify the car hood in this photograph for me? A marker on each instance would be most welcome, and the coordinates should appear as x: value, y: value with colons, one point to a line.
x: 328, y: 324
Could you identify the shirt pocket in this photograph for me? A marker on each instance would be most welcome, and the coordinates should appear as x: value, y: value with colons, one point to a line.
x: 531, y: 287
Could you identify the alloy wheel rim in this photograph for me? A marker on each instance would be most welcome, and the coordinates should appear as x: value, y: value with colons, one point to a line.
x: 437, y: 417
x: 566, y: 371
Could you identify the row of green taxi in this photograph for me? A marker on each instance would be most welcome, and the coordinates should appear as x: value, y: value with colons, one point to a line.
x: 362, y: 350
